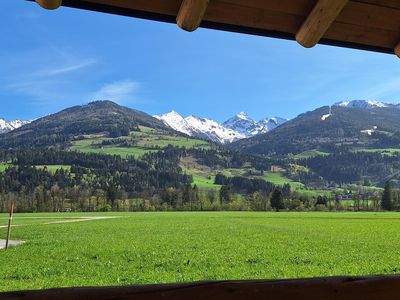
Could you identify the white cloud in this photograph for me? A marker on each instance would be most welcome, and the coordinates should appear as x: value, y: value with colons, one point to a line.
x: 123, y: 92
x: 61, y: 70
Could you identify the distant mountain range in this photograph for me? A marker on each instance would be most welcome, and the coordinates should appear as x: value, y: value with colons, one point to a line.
x: 356, y: 122
x: 236, y: 128
x: 7, y: 126
x: 364, y: 104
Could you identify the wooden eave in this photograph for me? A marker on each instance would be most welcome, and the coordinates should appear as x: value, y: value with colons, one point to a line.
x: 372, y: 25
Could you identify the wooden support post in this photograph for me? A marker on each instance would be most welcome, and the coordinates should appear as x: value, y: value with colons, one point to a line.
x: 397, y: 50
x: 191, y: 14
x: 49, y: 4
x: 9, y: 224
x: 319, y: 21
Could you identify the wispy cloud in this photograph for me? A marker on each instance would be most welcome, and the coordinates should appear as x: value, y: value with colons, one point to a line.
x: 386, y: 89
x: 60, y: 70
x: 123, y: 92
x: 60, y: 83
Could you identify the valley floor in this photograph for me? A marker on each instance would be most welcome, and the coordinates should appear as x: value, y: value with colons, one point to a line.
x: 140, y: 248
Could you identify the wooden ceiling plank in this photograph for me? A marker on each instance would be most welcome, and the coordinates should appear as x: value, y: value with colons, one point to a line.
x: 49, y: 4
x: 382, y: 3
x: 191, y: 14
x: 369, y: 15
x: 298, y: 7
x: 362, y: 35
x: 226, y: 13
x: 318, y: 21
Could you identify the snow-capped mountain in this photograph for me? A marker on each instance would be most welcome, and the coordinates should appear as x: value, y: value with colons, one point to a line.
x: 6, y: 126
x: 243, y: 124
x: 238, y: 127
x: 200, y: 127
x: 365, y: 104
x: 176, y: 122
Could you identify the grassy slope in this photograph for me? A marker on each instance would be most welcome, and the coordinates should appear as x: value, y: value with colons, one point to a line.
x: 383, y: 151
x: 280, y: 179
x: 310, y: 154
x: 147, y: 140
x: 174, y: 247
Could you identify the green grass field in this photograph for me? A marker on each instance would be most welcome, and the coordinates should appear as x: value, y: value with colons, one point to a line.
x: 279, y: 179
x: 310, y: 154
x: 147, y: 140
x: 139, y: 248
x: 383, y: 151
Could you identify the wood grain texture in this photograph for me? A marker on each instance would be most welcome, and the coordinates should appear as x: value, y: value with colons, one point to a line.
x: 397, y: 50
x: 318, y: 21
x: 49, y: 4
x: 191, y: 14
x: 335, y: 288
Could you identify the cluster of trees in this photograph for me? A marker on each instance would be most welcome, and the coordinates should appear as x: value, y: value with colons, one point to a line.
x: 345, y: 166
x: 96, y: 182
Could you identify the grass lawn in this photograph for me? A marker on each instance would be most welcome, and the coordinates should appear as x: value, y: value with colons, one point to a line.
x: 139, y: 248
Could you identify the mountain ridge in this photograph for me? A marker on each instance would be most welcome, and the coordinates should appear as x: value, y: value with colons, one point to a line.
x: 235, y: 128
x: 7, y: 126
x: 355, y: 124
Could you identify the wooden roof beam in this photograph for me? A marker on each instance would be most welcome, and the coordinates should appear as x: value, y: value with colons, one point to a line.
x: 191, y: 14
x: 319, y: 21
x: 49, y: 4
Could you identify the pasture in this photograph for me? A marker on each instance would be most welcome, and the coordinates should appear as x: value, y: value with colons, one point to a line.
x: 140, y: 248
x: 146, y: 141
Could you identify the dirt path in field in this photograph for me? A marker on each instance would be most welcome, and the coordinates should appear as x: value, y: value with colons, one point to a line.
x: 14, y: 243
x: 77, y: 219
x: 11, y: 243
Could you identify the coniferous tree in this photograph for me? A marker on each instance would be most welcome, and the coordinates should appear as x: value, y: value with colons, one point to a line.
x: 387, y: 197
x: 277, y: 199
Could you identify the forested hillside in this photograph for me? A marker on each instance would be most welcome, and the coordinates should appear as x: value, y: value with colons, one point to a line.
x: 326, y: 128
x: 96, y: 117
x: 102, y: 157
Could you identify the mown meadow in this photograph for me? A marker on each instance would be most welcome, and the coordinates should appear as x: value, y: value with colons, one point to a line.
x: 141, y: 248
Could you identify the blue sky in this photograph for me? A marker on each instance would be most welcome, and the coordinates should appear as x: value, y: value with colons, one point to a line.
x: 50, y: 60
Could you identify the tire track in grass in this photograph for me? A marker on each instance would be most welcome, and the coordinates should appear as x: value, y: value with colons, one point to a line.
x: 77, y: 219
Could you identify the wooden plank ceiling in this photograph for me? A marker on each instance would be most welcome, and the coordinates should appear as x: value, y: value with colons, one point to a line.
x: 362, y: 24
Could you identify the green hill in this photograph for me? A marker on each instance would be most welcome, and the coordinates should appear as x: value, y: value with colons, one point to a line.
x: 99, y: 117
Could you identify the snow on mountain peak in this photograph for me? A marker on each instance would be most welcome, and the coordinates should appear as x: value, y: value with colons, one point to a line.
x: 200, y: 127
x: 175, y: 121
x: 236, y: 128
x: 242, y: 115
x: 365, y: 104
x: 6, y: 126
